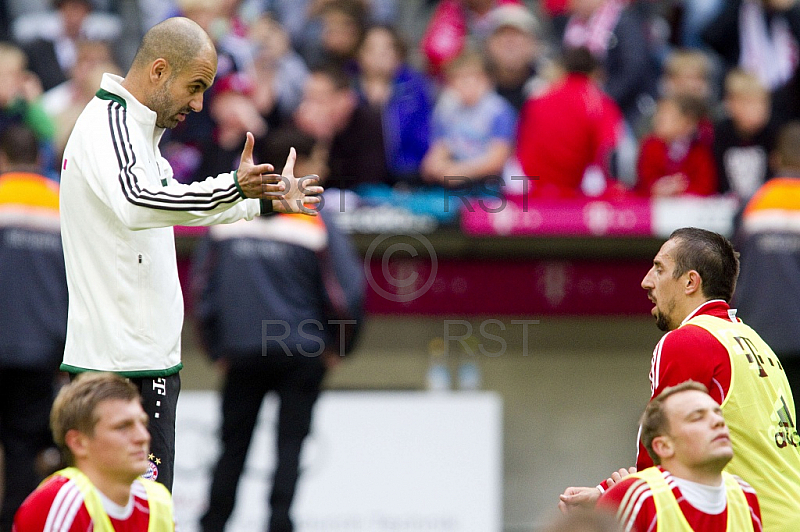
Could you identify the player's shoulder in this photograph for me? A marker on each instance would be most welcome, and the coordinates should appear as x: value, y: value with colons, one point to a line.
x: 614, y: 496
x: 687, y: 338
x: 747, y: 488
x: 57, y: 495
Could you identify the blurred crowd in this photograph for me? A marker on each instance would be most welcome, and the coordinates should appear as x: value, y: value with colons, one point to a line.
x: 584, y: 97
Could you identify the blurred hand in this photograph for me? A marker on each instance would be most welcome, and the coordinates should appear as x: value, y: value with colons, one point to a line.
x: 616, y: 476
x: 574, y: 498
x: 300, y: 193
x: 670, y: 185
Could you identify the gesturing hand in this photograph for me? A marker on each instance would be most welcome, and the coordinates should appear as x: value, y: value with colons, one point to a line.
x: 299, y: 191
x: 255, y: 180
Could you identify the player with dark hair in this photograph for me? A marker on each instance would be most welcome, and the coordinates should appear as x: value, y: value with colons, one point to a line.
x: 691, y: 282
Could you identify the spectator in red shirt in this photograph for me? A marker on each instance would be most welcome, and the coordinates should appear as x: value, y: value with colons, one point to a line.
x: 571, y: 128
x: 673, y: 159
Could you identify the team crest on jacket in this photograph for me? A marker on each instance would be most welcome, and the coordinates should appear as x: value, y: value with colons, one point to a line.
x: 152, y: 472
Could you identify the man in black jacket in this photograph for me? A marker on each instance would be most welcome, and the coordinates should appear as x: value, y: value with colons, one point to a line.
x: 281, y: 300
x: 33, y: 312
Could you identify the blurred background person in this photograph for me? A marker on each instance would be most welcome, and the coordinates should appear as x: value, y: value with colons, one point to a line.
x: 350, y: 131
x: 473, y: 127
x: 569, y: 131
x: 234, y: 114
x: 64, y: 102
x: 690, y: 73
x: 20, y: 101
x: 614, y: 33
x: 302, y: 19
x: 279, y: 69
x: 404, y: 97
x: 304, y: 278
x: 515, y: 51
x: 344, y: 23
x: 745, y: 137
x: 455, y: 26
x: 761, y: 37
x: 674, y: 159
x: 769, y: 238
x: 51, y: 38
x: 33, y: 313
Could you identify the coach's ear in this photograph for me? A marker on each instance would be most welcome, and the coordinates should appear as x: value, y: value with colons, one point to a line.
x: 159, y: 71
x: 663, y: 446
x: 77, y: 442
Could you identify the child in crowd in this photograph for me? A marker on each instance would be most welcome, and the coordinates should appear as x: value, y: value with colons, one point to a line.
x: 745, y: 138
x: 20, y: 93
x: 473, y: 127
x: 689, y: 72
x: 673, y: 159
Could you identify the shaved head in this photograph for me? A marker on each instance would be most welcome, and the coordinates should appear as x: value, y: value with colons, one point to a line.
x: 178, y: 40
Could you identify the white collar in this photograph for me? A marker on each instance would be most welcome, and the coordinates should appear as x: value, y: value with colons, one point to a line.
x: 697, y: 310
x: 708, y: 499
x: 140, y: 112
x: 114, y: 510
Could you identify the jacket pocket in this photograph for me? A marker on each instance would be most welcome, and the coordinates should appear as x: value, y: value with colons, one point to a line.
x: 133, y: 295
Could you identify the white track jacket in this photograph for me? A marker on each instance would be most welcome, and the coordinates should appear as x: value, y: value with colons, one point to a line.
x: 119, y: 202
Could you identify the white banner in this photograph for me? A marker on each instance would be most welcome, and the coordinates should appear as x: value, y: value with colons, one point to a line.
x: 374, y: 462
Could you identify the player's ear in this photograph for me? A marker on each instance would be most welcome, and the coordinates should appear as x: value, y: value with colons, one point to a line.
x: 693, y: 283
x: 77, y: 442
x: 663, y: 446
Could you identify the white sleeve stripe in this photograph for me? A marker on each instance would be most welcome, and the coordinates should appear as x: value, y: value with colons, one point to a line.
x: 719, y: 387
x: 77, y: 504
x: 655, y: 367
x: 637, y: 493
x: 61, y: 511
x: 160, y: 199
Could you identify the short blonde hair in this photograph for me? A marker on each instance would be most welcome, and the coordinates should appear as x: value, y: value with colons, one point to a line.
x: 75, y: 404
x: 12, y: 53
x: 739, y: 82
x: 680, y: 61
x: 469, y: 58
x: 654, y: 420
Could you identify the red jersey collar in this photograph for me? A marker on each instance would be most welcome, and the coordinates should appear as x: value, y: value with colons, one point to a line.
x: 715, y: 307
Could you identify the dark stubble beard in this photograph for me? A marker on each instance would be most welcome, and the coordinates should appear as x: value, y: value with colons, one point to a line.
x: 160, y: 103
